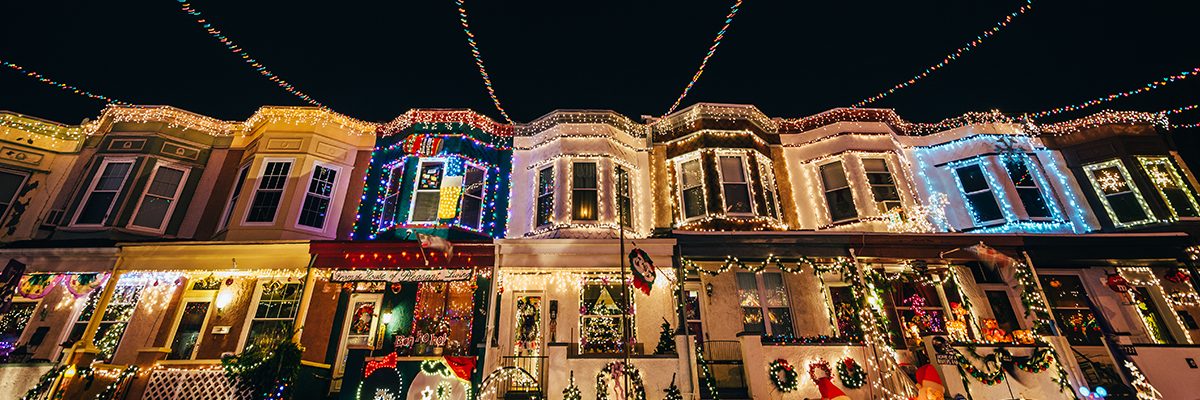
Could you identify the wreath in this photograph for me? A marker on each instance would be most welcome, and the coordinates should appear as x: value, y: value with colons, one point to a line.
x: 783, y: 376
x: 819, y: 365
x: 851, y: 373
x: 635, y: 378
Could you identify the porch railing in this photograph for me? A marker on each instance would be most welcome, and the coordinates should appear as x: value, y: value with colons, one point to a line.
x: 516, y: 388
x: 724, y: 359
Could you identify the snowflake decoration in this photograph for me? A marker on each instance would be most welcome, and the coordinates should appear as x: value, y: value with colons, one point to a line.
x: 384, y: 394
x: 1111, y: 182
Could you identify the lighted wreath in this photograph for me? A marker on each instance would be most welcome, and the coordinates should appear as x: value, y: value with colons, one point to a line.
x: 819, y: 366
x: 851, y: 373
x: 783, y: 376
x: 635, y: 379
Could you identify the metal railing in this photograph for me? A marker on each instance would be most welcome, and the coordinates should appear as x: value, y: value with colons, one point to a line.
x: 535, y: 366
x: 724, y: 359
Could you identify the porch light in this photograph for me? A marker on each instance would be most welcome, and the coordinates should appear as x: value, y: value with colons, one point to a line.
x: 224, y: 297
x: 387, y: 318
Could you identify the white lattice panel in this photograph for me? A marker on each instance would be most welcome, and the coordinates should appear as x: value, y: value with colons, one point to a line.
x: 192, y: 385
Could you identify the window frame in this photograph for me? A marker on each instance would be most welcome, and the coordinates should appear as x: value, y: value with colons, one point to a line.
x: 679, y: 163
x: 763, y: 308
x: 262, y: 170
x: 538, y: 195
x: 412, y: 199
x: 746, y: 182
x: 385, y: 220
x: 880, y: 206
x: 625, y: 320
x: 1051, y: 308
x: 243, y: 175
x: 162, y: 225
x: 1090, y: 171
x: 987, y: 181
x: 465, y: 193
x: 259, y: 287
x: 574, y: 189
x: 1034, y: 169
x: 1175, y: 176
x: 825, y: 191
x: 91, y: 189
x: 333, y: 195
x: 25, y: 175
x: 192, y: 296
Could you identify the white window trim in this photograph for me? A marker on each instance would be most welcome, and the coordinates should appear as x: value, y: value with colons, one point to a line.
x: 571, y: 191
x: 483, y: 192
x: 412, y: 202
x: 384, y: 221
x: 192, y: 296
x: 1090, y: 169
x: 537, y: 196
x: 745, y: 175
x: 231, y: 203
x: 162, y: 225
x: 680, y: 189
x: 962, y: 190
x: 259, y: 284
x: 333, y: 195
x: 92, y: 188
x: 17, y: 193
x: 262, y: 169
x: 849, y: 185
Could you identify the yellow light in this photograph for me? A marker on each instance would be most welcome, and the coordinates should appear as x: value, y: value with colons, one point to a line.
x: 224, y: 297
x: 448, y: 205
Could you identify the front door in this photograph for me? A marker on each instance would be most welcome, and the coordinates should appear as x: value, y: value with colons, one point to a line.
x: 527, y: 349
x: 193, y: 317
x: 359, y: 328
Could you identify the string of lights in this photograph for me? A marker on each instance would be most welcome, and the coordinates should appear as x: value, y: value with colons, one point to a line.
x: 949, y: 58
x: 68, y: 87
x: 1178, y: 110
x: 1186, y: 126
x: 245, y: 56
x: 487, y: 80
x: 733, y: 10
x: 1164, y: 81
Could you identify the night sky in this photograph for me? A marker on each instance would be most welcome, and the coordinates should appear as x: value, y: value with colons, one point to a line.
x: 374, y: 60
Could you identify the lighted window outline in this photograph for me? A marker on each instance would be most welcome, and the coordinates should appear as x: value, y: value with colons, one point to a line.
x: 745, y: 181
x: 538, y: 195
x: 766, y: 172
x: 96, y: 181
x: 620, y: 171
x: 395, y: 173
x: 1090, y: 170
x: 258, y: 188
x: 1147, y: 161
x: 412, y: 203
x: 998, y: 195
x: 825, y: 191
x: 695, y: 156
x: 174, y: 199
x: 333, y: 190
x: 887, y: 164
x: 482, y: 194
x: 1040, y: 182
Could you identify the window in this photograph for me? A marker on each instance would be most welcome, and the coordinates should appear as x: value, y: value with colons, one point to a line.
x: 1156, y: 326
x: 429, y: 192
x: 768, y: 183
x: 1002, y: 310
x: 1170, y: 186
x: 735, y: 185
x: 601, y: 324
x: 1023, y: 179
x: 980, y: 201
x: 14, y: 322
x: 471, y: 210
x: 112, y: 324
x: 275, y: 310
x: 316, y: 200
x: 545, y: 196
x: 270, y: 191
x: 624, y: 201
x: 842, y: 299
x: 10, y: 185
x: 1068, y: 302
x: 691, y: 184
x: 883, y: 184
x: 159, y: 200
x: 915, y: 310
x: 584, y: 191
x: 187, y: 333
x: 103, y: 191
x: 1120, y: 197
x: 237, y: 193
x: 391, y: 196
x: 691, y: 310
x: 837, y: 192
x: 444, y: 308
x: 763, y: 294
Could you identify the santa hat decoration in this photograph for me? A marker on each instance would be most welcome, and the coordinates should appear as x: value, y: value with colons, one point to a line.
x: 829, y: 391
x: 929, y: 382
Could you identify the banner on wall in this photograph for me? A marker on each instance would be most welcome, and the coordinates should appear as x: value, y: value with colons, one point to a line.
x: 401, y: 275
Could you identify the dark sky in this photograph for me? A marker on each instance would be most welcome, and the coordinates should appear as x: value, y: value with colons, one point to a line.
x: 374, y: 60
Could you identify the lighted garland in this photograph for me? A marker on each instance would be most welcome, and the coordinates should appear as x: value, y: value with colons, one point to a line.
x: 44, y: 382
x: 783, y: 376
x: 487, y: 80
x: 110, y: 391
x: 1099, y: 100
x: 949, y: 58
x: 245, y: 56
x: 1186, y: 126
x: 733, y: 10
x: 70, y: 88
x: 634, y: 376
x: 733, y: 262
x: 851, y: 373
x: 965, y: 368
x: 1180, y: 109
x: 1035, y: 304
x: 706, y: 374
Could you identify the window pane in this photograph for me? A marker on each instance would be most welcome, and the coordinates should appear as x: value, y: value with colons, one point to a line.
x: 263, y: 207
x: 841, y: 205
x: 972, y: 178
x: 693, y: 202
x: 166, y: 182
x: 752, y: 320
x: 781, y: 321
x: 875, y: 165
x: 774, y: 290
x: 748, y: 290
x: 545, y: 209
x: 585, y: 176
x: 425, y: 206
x: 471, y: 209
x: 270, y: 191
x: 737, y: 198
x: 1064, y: 291
x: 152, y: 212
x: 96, y: 207
x: 885, y: 193
x: 10, y: 183
x: 1019, y: 173
x: 1110, y: 180
x: 113, y: 176
x: 431, y: 176
x: 833, y: 176
x: 233, y: 197
x: 732, y: 169
x: 1127, y: 207
x: 985, y: 207
x: 1035, y: 205
x: 584, y: 204
x: 473, y: 182
x: 545, y: 198
x: 1180, y: 201
x: 187, y: 334
x: 316, y: 201
x: 691, y: 173
x: 1003, y: 310
x: 546, y: 181
x: 1079, y: 326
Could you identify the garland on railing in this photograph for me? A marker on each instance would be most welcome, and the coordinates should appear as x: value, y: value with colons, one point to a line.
x: 110, y: 391
x: 625, y: 370
x: 705, y: 373
x: 44, y: 382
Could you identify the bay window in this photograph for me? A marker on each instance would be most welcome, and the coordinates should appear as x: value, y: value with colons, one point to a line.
x: 158, y: 202
x: 315, y: 208
x: 584, y: 192
x: 428, y: 194
x: 269, y: 192
x: 735, y: 185
x: 1121, y: 199
x: 545, y: 196
x: 1171, y: 187
x: 691, y: 186
x: 838, y: 195
x: 973, y: 183
x: 764, y: 301
x: 883, y: 185
x: 103, y: 191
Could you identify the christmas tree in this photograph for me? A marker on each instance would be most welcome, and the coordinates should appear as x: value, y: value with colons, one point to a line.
x: 571, y: 392
x: 673, y: 391
x: 666, y: 340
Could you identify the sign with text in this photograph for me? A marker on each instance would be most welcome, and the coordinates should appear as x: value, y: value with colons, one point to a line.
x: 401, y: 275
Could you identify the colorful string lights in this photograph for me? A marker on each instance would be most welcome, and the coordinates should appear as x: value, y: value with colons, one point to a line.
x: 245, y: 56
x: 952, y: 56
x: 733, y: 10
x: 1099, y: 100
x: 487, y: 80
x: 70, y: 88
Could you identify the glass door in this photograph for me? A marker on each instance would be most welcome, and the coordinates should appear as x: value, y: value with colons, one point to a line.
x: 189, y: 327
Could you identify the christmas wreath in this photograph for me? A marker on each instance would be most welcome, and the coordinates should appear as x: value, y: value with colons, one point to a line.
x: 783, y: 376
x: 615, y: 369
x: 851, y: 373
x: 819, y: 365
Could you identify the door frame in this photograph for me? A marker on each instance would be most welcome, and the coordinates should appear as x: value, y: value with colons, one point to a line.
x: 194, y: 296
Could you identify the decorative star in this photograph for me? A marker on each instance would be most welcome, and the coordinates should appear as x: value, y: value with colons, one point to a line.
x: 427, y: 393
